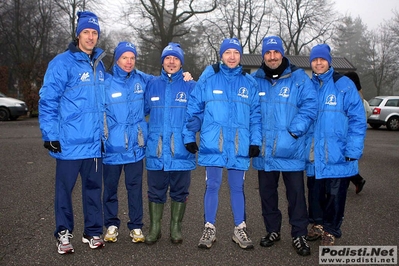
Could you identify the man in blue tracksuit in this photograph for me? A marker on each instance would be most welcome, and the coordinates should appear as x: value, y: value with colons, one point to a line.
x: 288, y: 107
x: 168, y: 162
x: 70, y: 118
x: 225, y: 106
x: 125, y: 139
x: 337, y: 141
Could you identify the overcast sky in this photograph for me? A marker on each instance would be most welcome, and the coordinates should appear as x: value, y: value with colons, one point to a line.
x: 372, y: 12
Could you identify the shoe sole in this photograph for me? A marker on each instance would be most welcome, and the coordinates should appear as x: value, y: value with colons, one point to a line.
x: 149, y: 242
x: 207, y: 246
x: 62, y: 252
x: 313, y: 238
x: 266, y: 245
x: 270, y: 243
x: 87, y: 241
x: 176, y: 241
x: 235, y: 239
x: 66, y: 252
x: 138, y: 240
x: 110, y: 239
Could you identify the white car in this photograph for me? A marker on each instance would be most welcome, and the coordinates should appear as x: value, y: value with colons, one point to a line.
x: 385, y: 112
x: 11, y: 108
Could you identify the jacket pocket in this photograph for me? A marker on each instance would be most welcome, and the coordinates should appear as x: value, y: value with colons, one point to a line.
x: 334, y: 150
x: 211, y: 140
x: 118, y: 139
x: 285, y: 146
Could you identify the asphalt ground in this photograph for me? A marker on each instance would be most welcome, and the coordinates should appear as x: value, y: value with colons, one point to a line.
x: 27, y: 214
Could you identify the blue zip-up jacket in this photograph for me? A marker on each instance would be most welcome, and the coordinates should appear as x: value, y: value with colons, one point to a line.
x: 165, y: 103
x: 227, y: 102
x: 125, y: 128
x: 340, y: 128
x: 70, y: 105
x: 288, y: 107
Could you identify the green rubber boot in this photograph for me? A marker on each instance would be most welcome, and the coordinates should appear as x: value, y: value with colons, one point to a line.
x: 177, y: 213
x: 156, y: 211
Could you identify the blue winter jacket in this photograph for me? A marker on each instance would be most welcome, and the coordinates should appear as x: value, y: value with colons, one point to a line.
x: 339, y: 130
x: 227, y: 102
x: 165, y: 103
x: 288, y: 107
x: 70, y: 103
x: 125, y: 130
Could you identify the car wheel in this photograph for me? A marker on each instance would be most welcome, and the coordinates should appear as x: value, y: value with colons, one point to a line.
x: 393, y: 123
x: 375, y: 126
x: 4, y: 115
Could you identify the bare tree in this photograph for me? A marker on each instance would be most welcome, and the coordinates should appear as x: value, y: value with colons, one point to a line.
x: 248, y: 20
x: 394, y: 24
x: 69, y: 8
x: 25, y: 34
x: 302, y: 22
x: 384, y: 67
x: 166, y: 20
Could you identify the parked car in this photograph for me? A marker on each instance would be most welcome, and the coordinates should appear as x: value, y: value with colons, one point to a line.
x: 11, y: 108
x: 385, y: 112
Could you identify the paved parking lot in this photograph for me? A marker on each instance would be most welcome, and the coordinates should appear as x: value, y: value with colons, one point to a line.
x: 27, y: 221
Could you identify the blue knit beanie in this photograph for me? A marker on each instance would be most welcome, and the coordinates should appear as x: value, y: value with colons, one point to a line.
x: 232, y: 43
x: 87, y: 20
x: 173, y: 49
x: 272, y: 43
x: 124, y: 47
x: 321, y: 51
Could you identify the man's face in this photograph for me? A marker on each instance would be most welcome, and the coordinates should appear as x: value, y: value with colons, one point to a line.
x: 171, y: 64
x: 273, y: 59
x: 127, y: 61
x: 319, y: 65
x: 231, y: 58
x: 88, y: 40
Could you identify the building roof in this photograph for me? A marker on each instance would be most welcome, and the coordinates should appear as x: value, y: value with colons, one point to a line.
x: 302, y: 61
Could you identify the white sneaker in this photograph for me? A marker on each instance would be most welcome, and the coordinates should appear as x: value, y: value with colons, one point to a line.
x: 93, y: 241
x: 112, y: 234
x: 63, y: 243
x: 137, y: 236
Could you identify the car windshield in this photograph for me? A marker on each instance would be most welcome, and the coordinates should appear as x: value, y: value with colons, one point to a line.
x: 375, y: 102
x: 2, y: 95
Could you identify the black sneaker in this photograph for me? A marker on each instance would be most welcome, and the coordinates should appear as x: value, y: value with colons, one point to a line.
x: 302, y: 247
x: 269, y: 239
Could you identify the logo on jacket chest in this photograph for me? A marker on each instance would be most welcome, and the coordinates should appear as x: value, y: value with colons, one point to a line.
x: 181, y: 97
x: 138, y: 88
x: 243, y: 92
x: 284, y: 92
x: 331, y: 100
x: 85, y: 77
